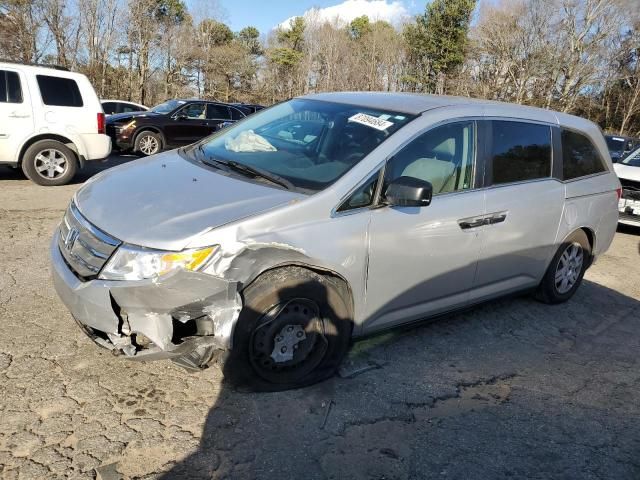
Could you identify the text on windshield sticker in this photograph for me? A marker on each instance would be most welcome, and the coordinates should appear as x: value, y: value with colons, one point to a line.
x: 370, y: 121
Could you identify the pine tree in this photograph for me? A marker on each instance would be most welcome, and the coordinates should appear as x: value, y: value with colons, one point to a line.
x: 436, y: 43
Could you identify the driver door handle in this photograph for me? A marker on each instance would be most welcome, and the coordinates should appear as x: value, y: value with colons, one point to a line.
x: 489, y: 219
x: 472, y: 222
x: 498, y: 217
x: 18, y: 115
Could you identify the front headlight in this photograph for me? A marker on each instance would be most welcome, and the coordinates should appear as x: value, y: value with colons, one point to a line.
x: 135, y: 263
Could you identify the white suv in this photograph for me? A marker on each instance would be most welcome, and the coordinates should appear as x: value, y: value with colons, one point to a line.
x: 51, y: 122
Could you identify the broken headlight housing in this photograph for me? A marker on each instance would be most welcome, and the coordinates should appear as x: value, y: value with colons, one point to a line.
x: 136, y: 263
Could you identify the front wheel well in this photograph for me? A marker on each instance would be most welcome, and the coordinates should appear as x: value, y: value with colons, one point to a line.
x: 49, y: 136
x: 335, y: 278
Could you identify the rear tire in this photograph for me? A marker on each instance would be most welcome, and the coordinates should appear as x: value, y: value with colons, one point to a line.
x: 565, y: 273
x: 49, y: 163
x: 294, y: 330
x: 147, y: 143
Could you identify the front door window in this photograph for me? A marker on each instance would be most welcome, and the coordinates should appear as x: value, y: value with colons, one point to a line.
x: 442, y: 156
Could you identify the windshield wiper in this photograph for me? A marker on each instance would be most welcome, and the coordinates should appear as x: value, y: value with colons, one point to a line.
x: 254, y: 172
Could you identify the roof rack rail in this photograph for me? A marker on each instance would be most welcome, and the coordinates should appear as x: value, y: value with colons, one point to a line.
x: 45, y: 65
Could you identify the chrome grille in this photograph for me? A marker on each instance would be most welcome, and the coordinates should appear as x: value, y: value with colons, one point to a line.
x: 85, y: 248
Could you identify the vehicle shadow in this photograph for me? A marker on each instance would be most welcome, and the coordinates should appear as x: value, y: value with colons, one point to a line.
x: 90, y: 169
x: 512, y: 388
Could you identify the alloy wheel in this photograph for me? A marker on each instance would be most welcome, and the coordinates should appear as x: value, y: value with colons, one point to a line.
x: 51, y: 163
x: 569, y: 268
x: 149, y: 144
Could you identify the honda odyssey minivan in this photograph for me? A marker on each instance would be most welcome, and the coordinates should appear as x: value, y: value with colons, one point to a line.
x: 271, y: 244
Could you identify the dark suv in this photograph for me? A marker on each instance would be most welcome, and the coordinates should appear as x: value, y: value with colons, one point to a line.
x: 620, y: 147
x: 173, y: 123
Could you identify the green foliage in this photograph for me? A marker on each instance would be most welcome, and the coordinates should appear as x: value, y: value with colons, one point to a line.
x: 286, y: 57
x: 215, y: 33
x: 437, y: 40
x: 293, y: 37
x: 249, y: 37
x: 170, y: 11
x: 359, y: 27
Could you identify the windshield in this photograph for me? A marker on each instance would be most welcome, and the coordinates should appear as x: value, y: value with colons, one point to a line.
x: 633, y: 159
x: 167, y: 106
x: 309, y: 143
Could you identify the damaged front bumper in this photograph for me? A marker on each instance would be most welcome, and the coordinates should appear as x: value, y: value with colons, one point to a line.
x: 188, y: 317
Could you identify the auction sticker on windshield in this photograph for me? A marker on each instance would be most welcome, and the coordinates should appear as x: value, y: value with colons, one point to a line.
x: 370, y: 121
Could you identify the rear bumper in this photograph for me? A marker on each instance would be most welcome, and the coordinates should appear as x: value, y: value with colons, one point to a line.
x: 628, y: 219
x: 629, y: 205
x: 187, y: 317
x: 97, y: 146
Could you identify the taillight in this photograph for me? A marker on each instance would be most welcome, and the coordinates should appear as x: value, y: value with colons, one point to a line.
x: 101, y: 123
x: 619, y: 192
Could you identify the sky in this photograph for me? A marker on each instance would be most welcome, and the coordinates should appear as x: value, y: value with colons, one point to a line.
x: 267, y: 14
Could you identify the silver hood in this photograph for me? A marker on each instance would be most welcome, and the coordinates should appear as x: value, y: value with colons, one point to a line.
x: 165, y: 200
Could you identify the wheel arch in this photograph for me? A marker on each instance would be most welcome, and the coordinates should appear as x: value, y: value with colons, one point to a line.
x: 337, y: 279
x: 591, y: 237
x: 51, y: 136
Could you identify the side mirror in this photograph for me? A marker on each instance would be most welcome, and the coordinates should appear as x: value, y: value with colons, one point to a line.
x: 408, y: 192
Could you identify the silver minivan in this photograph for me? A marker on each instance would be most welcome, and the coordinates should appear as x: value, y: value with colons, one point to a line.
x: 271, y: 244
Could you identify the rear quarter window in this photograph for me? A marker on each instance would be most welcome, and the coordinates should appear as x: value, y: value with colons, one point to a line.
x: 579, y: 156
x: 236, y: 114
x: 10, y: 88
x: 520, y: 151
x: 59, y: 92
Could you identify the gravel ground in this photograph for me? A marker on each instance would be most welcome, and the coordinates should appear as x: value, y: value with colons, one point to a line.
x: 512, y: 389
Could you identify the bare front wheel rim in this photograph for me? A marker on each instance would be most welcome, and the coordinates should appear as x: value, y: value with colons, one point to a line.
x: 289, y: 342
x: 51, y: 164
x: 569, y: 268
x: 149, y: 144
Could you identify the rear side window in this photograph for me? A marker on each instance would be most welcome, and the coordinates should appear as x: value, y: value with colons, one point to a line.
x: 218, y: 112
x: 10, y: 89
x: 109, y: 107
x: 59, y: 92
x: 579, y: 156
x: 520, y: 151
x: 127, y: 107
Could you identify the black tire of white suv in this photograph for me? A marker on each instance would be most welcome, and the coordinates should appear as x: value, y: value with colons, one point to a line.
x: 49, y: 163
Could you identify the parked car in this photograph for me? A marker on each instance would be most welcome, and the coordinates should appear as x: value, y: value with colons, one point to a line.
x: 171, y: 124
x: 280, y: 247
x: 51, y: 122
x: 248, y: 108
x: 628, y: 171
x: 619, y: 147
x: 112, y: 107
